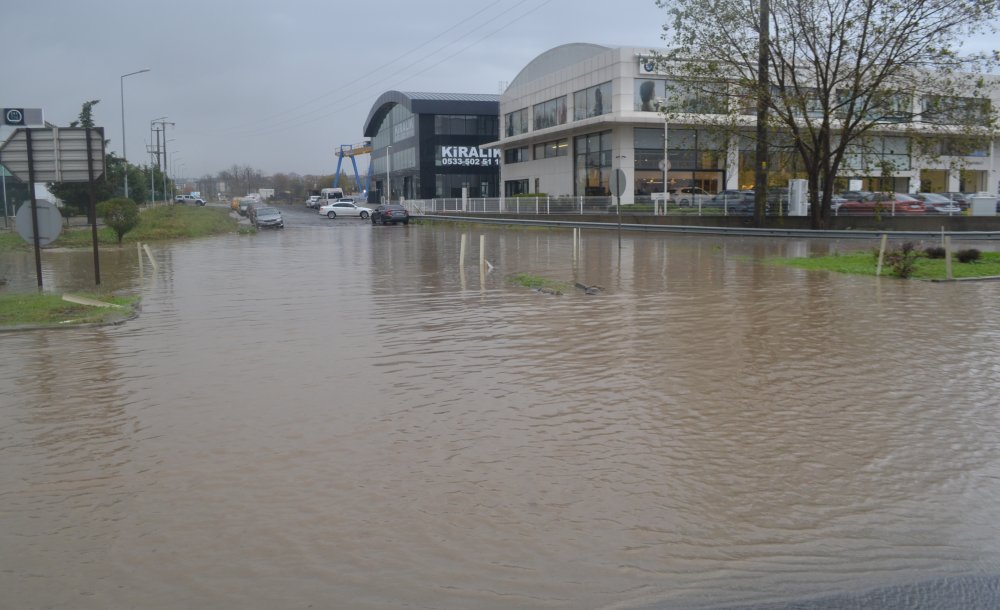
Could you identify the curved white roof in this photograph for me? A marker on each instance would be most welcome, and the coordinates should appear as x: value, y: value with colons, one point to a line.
x: 556, y: 59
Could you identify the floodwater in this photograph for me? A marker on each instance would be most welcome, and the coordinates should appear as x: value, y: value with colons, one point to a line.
x: 342, y: 416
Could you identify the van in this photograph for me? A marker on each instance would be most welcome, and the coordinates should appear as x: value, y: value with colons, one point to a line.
x: 331, y: 194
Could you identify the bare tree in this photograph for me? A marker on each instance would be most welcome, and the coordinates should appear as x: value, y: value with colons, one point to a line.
x: 842, y: 73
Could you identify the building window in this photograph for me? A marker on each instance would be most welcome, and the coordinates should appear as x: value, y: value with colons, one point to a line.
x: 516, y: 155
x: 593, y: 163
x: 465, y: 125
x: 879, y: 154
x: 554, y: 148
x: 516, y: 123
x: 696, y: 97
x: 948, y: 110
x: 515, y: 187
x: 550, y: 113
x: 647, y: 94
x: 593, y: 101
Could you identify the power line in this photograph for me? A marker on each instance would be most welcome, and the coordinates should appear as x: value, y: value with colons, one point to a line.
x: 376, y: 72
x: 304, y: 119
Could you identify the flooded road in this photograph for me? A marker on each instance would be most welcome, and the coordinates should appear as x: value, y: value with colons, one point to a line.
x: 342, y: 416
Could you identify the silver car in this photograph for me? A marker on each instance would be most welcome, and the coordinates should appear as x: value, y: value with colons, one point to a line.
x: 266, y: 217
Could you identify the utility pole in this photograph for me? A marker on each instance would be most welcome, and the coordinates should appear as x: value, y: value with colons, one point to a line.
x: 763, y: 99
x: 163, y: 168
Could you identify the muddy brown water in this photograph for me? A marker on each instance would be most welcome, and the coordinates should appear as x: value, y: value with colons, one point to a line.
x: 341, y: 416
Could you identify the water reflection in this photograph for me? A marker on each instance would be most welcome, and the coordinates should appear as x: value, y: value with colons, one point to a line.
x: 329, y: 415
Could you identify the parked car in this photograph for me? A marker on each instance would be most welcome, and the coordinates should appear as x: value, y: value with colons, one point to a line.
x: 688, y: 195
x: 938, y: 203
x: 189, y: 199
x: 883, y: 203
x: 344, y: 207
x: 312, y: 201
x: 266, y: 217
x: 390, y: 213
x: 962, y: 200
x: 732, y: 202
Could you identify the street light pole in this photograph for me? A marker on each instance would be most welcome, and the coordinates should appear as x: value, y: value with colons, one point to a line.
x: 388, y: 174
x: 121, y: 87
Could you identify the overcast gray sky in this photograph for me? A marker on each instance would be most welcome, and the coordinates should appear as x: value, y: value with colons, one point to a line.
x: 279, y: 85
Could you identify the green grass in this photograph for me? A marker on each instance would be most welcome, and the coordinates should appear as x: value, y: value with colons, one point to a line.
x: 43, y: 309
x: 155, y: 224
x: 539, y: 283
x: 865, y: 263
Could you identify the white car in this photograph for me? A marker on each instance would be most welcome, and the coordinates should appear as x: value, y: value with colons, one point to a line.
x: 344, y: 207
x: 313, y: 201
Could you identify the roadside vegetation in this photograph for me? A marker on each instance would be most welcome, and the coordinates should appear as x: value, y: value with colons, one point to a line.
x: 34, y: 309
x: 905, y: 261
x: 155, y: 224
x: 539, y: 283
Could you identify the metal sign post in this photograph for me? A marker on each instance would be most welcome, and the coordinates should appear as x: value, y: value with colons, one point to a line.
x: 618, y: 187
x: 54, y: 155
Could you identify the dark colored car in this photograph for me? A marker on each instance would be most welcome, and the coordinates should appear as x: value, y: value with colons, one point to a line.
x: 390, y: 213
x: 739, y: 203
x: 266, y: 217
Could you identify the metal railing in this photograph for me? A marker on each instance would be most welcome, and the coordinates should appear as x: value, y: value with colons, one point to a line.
x: 722, y: 206
x: 698, y: 205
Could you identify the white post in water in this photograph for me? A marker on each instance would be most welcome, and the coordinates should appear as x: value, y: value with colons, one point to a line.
x: 461, y: 252
x: 482, y: 254
x: 138, y: 250
x: 881, y: 255
x: 947, y: 259
x: 149, y: 253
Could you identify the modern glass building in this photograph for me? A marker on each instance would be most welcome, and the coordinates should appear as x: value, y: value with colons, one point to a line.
x: 579, y: 111
x: 428, y: 145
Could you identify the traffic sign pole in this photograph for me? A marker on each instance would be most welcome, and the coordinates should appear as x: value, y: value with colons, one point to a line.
x: 93, y: 204
x: 34, y: 210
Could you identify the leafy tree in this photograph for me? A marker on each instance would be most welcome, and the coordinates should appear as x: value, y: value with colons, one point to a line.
x: 841, y: 74
x: 121, y: 214
x: 86, y: 117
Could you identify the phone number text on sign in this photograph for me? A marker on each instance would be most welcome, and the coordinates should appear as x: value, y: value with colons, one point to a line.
x: 470, y: 162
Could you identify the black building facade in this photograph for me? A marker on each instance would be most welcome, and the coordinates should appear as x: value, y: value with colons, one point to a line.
x: 427, y: 145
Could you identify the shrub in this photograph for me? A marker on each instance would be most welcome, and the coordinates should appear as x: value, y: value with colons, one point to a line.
x: 935, y: 252
x: 121, y: 214
x: 901, y: 259
x: 968, y: 256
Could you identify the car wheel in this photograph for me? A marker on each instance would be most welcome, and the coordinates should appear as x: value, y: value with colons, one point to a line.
x: 331, y: 214
x: 364, y: 215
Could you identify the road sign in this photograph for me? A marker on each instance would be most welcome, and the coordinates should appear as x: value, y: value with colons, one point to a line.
x: 50, y: 222
x: 58, y: 154
x: 618, y: 182
x: 23, y: 117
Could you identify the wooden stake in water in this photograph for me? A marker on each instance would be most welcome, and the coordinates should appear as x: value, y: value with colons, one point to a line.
x: 461, y: 251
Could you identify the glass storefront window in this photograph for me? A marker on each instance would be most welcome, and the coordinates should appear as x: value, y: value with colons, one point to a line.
x: 516, y: 123
x: 647, y: 91
x: 592, y: 170
x: 593, y: 101
x: 550, y: 113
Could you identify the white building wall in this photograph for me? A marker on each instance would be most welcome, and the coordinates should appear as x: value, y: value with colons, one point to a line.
x: 620, y: 66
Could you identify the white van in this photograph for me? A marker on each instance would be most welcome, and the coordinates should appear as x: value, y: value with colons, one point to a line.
x: 331, y: 194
